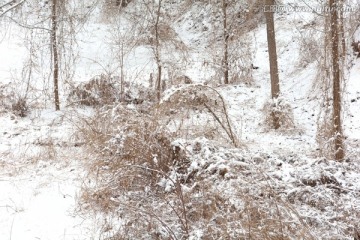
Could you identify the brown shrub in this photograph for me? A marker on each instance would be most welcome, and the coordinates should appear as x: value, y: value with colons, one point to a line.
x: 99, y: 90
x: 356, y: 48
x: 278, y: 109
x: 20, y: 107
x: 198, y: 110
x: 129, y: 144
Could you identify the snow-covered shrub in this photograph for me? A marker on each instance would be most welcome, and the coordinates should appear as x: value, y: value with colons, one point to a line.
x: 197, y: 110
x: 278, y: 110
x: 129, y: 144
x: 12, y: 101
x: 310, y: 47
x: 20, y: 107
x: 111, y: 8
x: 219, y: 193
x: 182, y: 79
x: 4, y: 97
x: 104, y: 90
x: 216, y: 192
x: 325, y: 135
x: 99, y: 90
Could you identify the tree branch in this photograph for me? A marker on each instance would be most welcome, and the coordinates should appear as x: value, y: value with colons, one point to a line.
x: 10, y: 8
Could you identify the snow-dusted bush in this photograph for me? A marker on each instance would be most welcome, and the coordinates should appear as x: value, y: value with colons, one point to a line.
x: 20, y: 107
x: 4, y: 98
x: 197, y: 110
x: 310, y: 45
x: 129, y: 143
x: 100, y: 90
x: 104, y: 90
x: 325, y: 135
x: 281, y: 111
x: 148, y: 185
x: 13, y: 101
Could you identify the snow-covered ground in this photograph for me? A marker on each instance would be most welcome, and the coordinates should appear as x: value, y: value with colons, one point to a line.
x: 42, y: 163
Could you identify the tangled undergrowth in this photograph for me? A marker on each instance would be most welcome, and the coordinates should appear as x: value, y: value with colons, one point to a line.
x: 149, y: 183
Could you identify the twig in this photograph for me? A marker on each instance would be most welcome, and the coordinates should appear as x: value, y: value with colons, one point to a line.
x: 11, y: 229
x: 11, y: 8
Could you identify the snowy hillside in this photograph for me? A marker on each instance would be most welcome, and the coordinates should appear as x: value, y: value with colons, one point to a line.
x: 204, y: 162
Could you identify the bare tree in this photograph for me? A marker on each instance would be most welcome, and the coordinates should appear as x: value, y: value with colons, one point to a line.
x: 226, y: 43
x: 225, y: 36
x: 55, y: 56
x: 124, y: 42
x: 157, y: 52
x: 335, y: 44
x: 155, y: 30
x: 274, y: 74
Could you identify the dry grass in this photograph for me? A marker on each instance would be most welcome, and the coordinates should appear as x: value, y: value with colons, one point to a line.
x: 198, y: 110
x: 98, y: 91
x: 168, y: 199
x: 20, y: 107
x: 161, y: 189
x: 281, y: 110
x: 132, y: 149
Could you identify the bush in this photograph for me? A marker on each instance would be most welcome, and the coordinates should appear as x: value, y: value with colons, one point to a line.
x: 99, y: 90
x: 20, y: 107
x: 279, y: 109
x: 10, y: 100
x: 188, y: 107
x: 129, y: 144
x: 105, y: 90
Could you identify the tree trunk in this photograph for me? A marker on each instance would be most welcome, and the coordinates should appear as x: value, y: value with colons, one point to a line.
x: 342, y: 31
x: 158, y: 86
x: 157, y: 53
x: 274, y: 74
x: 122, y: 73
x: 337, y: 129
x: 55, y: 54
x: 226, y: 44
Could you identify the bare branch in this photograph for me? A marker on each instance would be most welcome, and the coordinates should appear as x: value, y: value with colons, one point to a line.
x: 11, y: 7
x: 33, y: 26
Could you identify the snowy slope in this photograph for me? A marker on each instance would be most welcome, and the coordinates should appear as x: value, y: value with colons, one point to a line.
x: 42, y: 162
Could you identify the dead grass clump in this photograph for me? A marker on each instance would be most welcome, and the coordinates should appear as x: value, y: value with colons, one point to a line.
x: 325, y: 137
x: 182, y: 79
x: 310, y: 46
x: 12, y: 101
x: 134, y: 162
x: 201, y: 201
x: 198, y: 110
x: 111, y: 8
x: 278, y: 109
x: 133, y: 152
x: 98, y: 200
x: 98, y: 91
x: 20, y: 107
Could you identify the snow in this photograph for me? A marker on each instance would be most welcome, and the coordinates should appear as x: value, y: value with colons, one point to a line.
x: 37, y: 203
x: 43, y: 163
x: 40, y: 179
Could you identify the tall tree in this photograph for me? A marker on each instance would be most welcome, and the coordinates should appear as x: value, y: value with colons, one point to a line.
x: 157, y: 52
x: 274, y: 73
x: 155, y: 25
x: 335, y: 43
x: 55, y: 56
x: 226, y: 43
